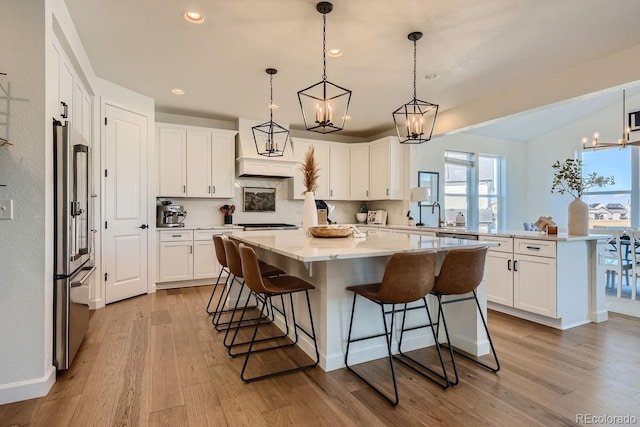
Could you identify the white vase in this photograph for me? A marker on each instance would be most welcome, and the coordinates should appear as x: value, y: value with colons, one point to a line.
x: 309, y: 211
x: 578, y: 218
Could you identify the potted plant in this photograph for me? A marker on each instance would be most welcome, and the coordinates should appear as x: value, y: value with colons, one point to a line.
x: 310, y: 174
x: 567, y: 178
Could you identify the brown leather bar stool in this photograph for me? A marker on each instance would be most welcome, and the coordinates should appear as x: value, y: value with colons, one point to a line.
x: 232, y: 258
x: 461, y: 273
x: 267, y: 288
x: 408, y: 277
x: 222, y: 260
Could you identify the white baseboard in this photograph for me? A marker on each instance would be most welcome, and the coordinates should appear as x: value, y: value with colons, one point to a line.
x: 29, y: 389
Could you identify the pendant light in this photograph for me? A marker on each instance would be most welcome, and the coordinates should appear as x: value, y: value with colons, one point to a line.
x: 416, y: 119
x: 324, y: 105
x: 270, y: 137
x: 624, y: 140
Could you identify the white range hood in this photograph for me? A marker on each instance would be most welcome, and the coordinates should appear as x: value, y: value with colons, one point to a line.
x: 250, y: 163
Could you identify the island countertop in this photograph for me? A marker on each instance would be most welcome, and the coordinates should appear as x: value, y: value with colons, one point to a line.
x: 296, y: 244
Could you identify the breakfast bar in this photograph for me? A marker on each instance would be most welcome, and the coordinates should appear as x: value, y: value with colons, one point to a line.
x: 333, y: 264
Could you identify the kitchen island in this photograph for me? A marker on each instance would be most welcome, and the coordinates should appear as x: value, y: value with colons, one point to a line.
x: 333, y: 264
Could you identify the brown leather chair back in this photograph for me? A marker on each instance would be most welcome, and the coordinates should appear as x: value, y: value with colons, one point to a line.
x: 408, y: 277
x: 461, y: 271
x: 251, y: 268
x: 233, y: 257
x: 218, y: 244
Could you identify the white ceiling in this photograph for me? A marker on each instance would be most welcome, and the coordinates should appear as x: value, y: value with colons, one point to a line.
x: 477, y: 47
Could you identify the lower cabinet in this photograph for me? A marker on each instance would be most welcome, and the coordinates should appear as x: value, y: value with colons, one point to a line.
x: 187, y: 255
x: 521, y: 273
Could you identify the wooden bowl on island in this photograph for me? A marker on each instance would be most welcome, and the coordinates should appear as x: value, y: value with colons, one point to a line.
x: 331, y: 231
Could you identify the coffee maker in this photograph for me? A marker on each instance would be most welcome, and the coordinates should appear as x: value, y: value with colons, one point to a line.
x: 170, y: 215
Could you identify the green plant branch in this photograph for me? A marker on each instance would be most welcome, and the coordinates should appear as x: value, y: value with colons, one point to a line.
x: 567, y: 178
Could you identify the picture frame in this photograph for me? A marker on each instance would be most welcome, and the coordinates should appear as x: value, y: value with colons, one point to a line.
x: 259, y: 199
x: 634, y: 121
x: 431, y: 180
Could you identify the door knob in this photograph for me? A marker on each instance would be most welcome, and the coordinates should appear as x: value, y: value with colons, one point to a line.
x: 143, y: 226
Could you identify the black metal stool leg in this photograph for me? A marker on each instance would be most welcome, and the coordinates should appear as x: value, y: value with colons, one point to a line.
x: 213, y: 291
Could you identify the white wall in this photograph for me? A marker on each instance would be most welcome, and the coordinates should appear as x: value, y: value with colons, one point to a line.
x: 26, y: 170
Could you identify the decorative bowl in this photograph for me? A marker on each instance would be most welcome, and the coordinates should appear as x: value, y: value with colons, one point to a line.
x: 361, y: 217
x: 331, y: 231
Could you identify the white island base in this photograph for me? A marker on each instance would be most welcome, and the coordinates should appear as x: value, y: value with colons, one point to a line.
x: 332, y: 265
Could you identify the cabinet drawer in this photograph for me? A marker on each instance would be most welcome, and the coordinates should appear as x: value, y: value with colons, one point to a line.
x: 176, y: 235
x: 505, y: 244
x: 535, y: 247
x: 205, y: 234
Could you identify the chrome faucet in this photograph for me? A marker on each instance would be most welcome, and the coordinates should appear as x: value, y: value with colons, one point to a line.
x: 433, y: 210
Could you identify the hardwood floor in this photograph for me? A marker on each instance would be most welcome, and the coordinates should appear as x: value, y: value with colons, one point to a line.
x: 155, y: 360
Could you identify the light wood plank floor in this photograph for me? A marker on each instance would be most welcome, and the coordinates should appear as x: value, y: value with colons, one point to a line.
x: 155, y: 360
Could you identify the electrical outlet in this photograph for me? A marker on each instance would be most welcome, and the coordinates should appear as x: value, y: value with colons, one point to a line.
x: 6, y: 209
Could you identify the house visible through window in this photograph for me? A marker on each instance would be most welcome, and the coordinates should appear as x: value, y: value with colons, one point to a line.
x: 472, y: 188
x: 610, y: 206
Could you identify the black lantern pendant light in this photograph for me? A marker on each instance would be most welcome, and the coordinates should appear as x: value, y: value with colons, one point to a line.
x: 324, y: 105
x: 270, y: 137
x: 415, y: 120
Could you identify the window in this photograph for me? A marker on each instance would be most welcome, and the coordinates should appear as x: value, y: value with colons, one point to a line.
x: 472, y: 188
x: 609, y: 206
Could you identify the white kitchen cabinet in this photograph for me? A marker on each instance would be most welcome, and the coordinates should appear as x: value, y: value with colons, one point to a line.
x: 359, y: 172
x: 339, y: 171
x: 534, y: 285
x: 175, y: 256
x: 187, y: 255
x: 521, y: 273
x: 385, y: 166
x: 172, y: 163
x: 195, y: 161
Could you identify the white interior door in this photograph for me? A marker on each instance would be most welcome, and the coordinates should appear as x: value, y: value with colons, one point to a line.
x: 126, y: 225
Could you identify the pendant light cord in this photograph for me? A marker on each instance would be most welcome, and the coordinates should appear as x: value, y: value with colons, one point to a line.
x: 324, y: 46
x: 414, y: 70
x: 271, y: 97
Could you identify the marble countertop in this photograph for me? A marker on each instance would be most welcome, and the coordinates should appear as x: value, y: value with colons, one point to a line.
x: 493, y: 233
x: 298, y: 245
x: 200, y: 227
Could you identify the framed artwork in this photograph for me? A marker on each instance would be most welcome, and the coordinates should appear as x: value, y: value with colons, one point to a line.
x: 634, y: 121
x: 429, y: 180
x: 257, y: 199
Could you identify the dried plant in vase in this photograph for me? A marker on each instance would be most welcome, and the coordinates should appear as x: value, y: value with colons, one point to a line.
x: 310, y: 170
x: 310, y: 174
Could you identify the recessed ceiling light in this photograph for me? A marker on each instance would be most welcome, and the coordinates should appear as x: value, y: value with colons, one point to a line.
x: 432, y: 76
x: 274, y: 106
x: 177, y: 91
x: 334, y: 53
x: 194, y: 17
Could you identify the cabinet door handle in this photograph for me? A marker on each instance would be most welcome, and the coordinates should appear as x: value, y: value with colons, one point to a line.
x: 331, y: 193
x: 214, y: 189
x: 209, y: 190
x: 65, y: 109
x: 184, y: 188
x: 176, y: 235
x: 509, y: 265
x: 515, y: 265
x: 387, y: 191
x: 367, y: 193
x: 533, y: 248
x: 190, y: 249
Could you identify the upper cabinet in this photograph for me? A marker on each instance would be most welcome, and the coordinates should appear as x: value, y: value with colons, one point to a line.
x: 333, y: 163
x: 359, y: 172
x: 195, y: 161
x: 385, y: 166
x: 72, y: 101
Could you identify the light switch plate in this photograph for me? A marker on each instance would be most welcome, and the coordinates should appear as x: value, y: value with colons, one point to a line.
x: 6, y: 209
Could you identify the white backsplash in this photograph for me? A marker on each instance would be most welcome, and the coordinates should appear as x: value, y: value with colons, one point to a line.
x: 207, y: 211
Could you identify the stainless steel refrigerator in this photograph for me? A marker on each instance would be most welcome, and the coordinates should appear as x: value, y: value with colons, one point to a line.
x: 73, y: 264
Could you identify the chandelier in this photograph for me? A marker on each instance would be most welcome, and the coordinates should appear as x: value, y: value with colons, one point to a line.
x: 270, y: 137
x: 324, y: 105
x: 623, y: 142
x: 416, y: 119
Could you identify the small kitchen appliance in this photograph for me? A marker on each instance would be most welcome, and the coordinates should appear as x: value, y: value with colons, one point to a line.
x: 170, y: 215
